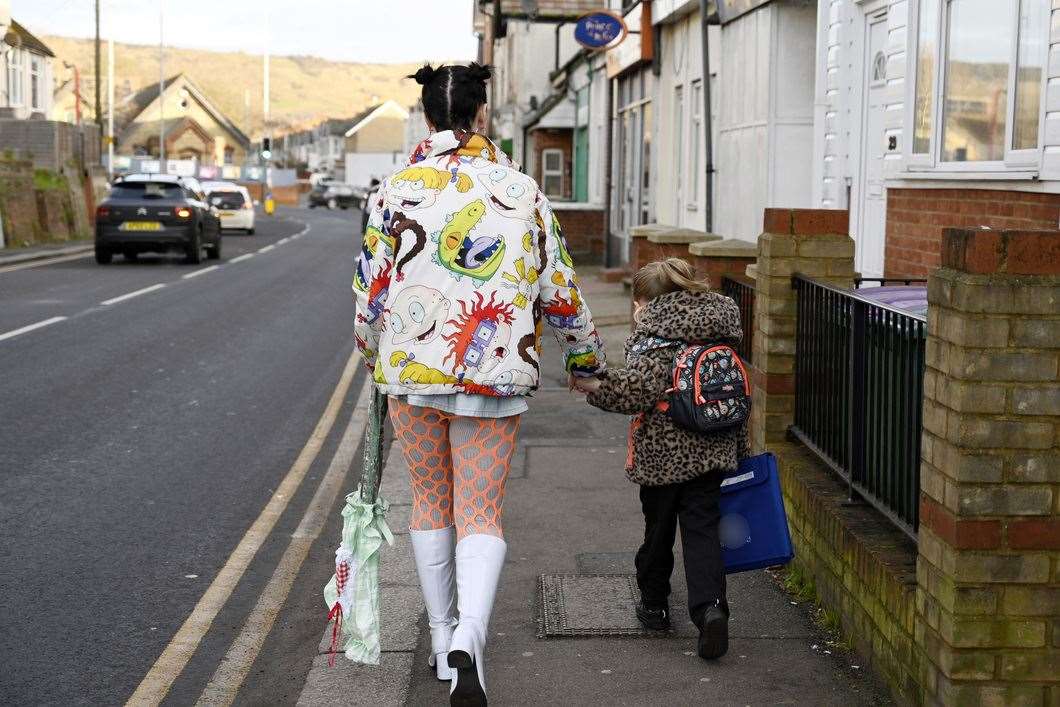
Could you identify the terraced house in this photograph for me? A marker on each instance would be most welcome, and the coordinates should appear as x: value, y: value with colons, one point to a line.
x: 877, y: 182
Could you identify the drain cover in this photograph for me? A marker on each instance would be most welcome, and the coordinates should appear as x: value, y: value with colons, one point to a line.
x: 589, y: 605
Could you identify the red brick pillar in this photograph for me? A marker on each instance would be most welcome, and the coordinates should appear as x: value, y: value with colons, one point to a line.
x: 813, y: 242
x: 988, y: 571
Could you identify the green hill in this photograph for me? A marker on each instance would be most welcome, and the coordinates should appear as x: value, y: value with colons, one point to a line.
x: 304, y: 91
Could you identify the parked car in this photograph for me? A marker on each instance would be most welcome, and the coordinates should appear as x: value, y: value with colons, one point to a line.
x: 335, y: 195
x: 156, y: 213
x: 234, y: 205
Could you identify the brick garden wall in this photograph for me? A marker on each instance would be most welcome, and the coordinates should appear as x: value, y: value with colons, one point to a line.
x: 988, y: 602
x: 917, y: 217
x: 583, y: 230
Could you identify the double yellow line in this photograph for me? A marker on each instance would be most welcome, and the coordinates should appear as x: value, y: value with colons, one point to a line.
x: 160, y: 678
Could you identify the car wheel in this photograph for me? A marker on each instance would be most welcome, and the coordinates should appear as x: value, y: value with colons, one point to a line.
x: 194, y: 249
x: 250, y: 231
x: 103, y: 256
x: 213, y: 252
x: 332, y: 204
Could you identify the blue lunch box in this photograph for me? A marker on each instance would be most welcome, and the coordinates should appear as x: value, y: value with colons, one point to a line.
x: 754, y: 528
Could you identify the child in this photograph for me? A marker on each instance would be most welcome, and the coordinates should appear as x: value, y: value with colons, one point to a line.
x: 679, y: 471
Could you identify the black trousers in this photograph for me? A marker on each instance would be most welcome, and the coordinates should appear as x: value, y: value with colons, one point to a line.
x: 694, y: 504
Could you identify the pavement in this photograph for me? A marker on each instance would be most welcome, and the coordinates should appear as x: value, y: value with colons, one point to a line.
x: 570, y: 511
x: 176, y: 442
x: 12, y: 256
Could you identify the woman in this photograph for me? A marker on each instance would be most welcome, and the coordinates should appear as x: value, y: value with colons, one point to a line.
x: 463, y: 261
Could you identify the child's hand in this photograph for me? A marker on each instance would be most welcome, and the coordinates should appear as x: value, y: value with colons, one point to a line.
x: 585, y: 385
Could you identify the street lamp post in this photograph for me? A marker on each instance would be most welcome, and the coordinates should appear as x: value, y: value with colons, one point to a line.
x: 161, y: 89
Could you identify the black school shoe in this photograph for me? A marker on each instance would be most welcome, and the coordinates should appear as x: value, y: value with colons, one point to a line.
x: 657, y: 619
x: 713, y: 633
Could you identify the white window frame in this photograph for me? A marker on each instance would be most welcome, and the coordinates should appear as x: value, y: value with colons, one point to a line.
x: 1014, y: 160
x: 678, y: 110
x: 15, y: 70
x: 695, y: 134
x: 546, y: 172
x: 36, y: 81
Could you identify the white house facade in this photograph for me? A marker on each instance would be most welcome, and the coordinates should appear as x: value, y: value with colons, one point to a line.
x: 934, y: 113
x: 26, y: 80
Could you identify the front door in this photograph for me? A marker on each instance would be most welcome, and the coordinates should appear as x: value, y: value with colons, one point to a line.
x: 870, y: 229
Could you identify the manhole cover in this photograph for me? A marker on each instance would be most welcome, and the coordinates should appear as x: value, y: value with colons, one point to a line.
x: 589, y: 605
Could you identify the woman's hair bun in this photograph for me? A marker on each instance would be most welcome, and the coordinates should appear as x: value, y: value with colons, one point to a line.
x: 479, y: 72
x: 425, y: 75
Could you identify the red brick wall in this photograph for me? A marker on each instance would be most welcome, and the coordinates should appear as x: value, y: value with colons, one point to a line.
x: 714, y: 268
x: 642, y: 251
x: 554, y: 138
x: 583, y: 230
x: 917, y: 217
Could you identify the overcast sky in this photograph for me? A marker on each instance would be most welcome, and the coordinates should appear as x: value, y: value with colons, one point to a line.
x: 344, y: 30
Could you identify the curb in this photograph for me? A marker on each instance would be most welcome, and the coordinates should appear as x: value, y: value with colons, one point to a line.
x: 401, y: 606
x: 16, y: 258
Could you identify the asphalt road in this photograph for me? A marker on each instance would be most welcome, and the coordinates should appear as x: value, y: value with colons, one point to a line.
x: 140, y: 439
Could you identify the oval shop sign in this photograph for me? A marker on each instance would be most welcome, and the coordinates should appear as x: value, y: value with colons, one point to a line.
x: 600, y: 30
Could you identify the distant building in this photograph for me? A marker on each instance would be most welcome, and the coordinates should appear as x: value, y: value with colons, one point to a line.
x: 375, y: 143
x: 195, y: 129
x: 26, y: 79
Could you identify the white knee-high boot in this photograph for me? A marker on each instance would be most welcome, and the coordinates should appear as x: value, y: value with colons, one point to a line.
x: 434, y: 553
x: 479, y: 559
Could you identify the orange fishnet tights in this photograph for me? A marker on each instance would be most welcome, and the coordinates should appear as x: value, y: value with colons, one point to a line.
x: 458, y: 467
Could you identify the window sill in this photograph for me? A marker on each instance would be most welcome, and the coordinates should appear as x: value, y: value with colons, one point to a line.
x: 971, y: 176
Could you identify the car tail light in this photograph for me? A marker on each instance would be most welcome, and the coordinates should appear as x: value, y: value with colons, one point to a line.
x: 183, y: 213
x: 103, y: 213
x: 249, y: 206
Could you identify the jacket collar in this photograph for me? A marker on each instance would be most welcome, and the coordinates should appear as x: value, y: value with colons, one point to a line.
x: 459, y: 143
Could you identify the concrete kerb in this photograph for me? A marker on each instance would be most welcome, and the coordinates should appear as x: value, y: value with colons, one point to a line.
x: 401, y: 606
x: 30, y: 254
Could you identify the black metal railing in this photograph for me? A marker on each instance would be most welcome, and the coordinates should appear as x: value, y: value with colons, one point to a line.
x: 742, y: 291
x: 859, y: 385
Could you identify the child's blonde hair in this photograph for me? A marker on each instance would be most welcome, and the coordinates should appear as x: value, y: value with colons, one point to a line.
x: 665, y: 276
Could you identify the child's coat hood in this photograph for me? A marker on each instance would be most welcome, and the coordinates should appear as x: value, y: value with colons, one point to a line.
x: 692, y: 317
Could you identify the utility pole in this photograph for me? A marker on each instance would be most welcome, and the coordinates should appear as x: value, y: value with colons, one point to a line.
x: 99, y: 102
x: 161, y: 89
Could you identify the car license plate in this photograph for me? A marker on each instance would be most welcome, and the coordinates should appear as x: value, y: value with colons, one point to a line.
x: 141, y: 226
x: 229, y: 214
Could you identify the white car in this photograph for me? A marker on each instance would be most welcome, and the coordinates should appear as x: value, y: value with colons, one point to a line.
x: 233, y: 204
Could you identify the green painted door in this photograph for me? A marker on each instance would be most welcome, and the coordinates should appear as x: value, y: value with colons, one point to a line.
x: 581, y: 164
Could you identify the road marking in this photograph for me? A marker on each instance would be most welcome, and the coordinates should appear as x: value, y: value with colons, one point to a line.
x: 130, y: 295
x: 199, y: 272
x: 182, y: 646
x: 245, y: 256
x: 44, y: 261
x: 39, y: 325
x: 283, y: 240
x: 266, y: 249
x: 233, y: 669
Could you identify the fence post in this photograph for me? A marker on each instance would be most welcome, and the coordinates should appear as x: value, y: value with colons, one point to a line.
x: 988, y: 573
x: 813, y: 242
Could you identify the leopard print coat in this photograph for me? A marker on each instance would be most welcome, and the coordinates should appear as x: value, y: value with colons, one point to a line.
x: 660, y: 452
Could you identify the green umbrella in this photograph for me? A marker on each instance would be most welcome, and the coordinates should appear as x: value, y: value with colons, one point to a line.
x: 352, y: 595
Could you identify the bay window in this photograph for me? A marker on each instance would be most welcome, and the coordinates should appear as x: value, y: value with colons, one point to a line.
x: 977, y: 85
x: 14, y: 77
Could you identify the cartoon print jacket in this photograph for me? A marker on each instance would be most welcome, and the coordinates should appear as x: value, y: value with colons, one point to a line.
x: 661, y: 452
x: 463, y: 262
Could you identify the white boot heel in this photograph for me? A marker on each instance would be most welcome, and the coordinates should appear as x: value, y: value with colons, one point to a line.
x: 434, y: 553
x: 479, y: 560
